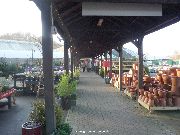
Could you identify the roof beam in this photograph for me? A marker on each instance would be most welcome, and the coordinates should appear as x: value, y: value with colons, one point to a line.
x: 74, y: 8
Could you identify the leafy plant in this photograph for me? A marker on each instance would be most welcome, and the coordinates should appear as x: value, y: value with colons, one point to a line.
x: 101, y: 72
x: 63, y: 129
x: 38, y: 113
x: 66, y: 86
x: 63, y: 88
x: 76, y: 74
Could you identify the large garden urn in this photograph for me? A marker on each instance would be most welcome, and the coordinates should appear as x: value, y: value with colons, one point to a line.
x: 175, y: 85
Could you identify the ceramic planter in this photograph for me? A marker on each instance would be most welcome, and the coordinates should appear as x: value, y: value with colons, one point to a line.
x: 31, y: 128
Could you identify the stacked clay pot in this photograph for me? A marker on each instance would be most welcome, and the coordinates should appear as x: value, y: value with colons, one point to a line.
x: 141, y: 94
x: 151, y: 99
x: 178, y: 72
x: 132, y: 91
x: 158, y: 97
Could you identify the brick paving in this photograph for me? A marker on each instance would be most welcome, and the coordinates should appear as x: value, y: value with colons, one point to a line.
x: 102, y: 110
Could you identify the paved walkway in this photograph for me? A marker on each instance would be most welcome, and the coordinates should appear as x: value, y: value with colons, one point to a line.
x: 11, y: 120
x: 102, y: 110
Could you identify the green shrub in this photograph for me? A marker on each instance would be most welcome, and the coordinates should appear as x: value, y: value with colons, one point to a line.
x: 63, y: 88
x: 66, y: 86
x: 76, y: 73
x: 38, y: 113
x: 63, y: 129
x: 101, y: 72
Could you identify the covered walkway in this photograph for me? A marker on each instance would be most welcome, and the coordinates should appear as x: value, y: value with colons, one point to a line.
x: 101, y: 109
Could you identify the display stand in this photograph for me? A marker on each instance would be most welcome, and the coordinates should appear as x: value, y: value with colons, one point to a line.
x: 157, y: 108
x: 7, y: 95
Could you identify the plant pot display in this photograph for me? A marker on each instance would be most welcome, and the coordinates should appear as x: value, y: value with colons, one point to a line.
x: 31, y: 128
x: 36, y: 123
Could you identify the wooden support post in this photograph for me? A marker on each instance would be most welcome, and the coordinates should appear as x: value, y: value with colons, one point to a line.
x: 101, y: 61
x: 47, y: 48
x: 66, y: 57
x: 92, y: 63
x: 110, y: 72
x: 140, y: 67
x: 139, y: 44
x: 14, y: 81
x: 99, y: 65
x: 120, y: 66
x: 72, y: 62
x: 105, y: 71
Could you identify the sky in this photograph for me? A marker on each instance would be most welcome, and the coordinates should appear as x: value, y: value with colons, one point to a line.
x: 24, y: 16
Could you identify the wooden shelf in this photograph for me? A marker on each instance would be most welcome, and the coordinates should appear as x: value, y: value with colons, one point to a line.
x: 157, y: 108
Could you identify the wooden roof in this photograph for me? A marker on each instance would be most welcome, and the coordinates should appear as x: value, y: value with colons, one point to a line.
x: 90, y: 40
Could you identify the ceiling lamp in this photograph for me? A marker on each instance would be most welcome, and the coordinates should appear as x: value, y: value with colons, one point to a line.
x: 100, y: 22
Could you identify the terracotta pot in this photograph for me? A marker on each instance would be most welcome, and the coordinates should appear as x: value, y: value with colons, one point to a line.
x: 178, y: 72
x: 150, y: 95
x: 146, y: 79
x: 151, y: 90
x: 160, y: 93
x: 132, y: 90
x: 159, y: 78
x: 151, y: 102
x: 146, y: 93
x: 135, y: 66
x: 155, y: 91
x: 143, y: 98
x: 173, y: 72
x: 146, y: 100
x: 141, y: 91
x: 165, y: 78
x: 175, y: 85
x: 135, y: 78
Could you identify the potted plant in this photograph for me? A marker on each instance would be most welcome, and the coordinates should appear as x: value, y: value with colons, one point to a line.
x: 101, y: 72
x: 73, y: 85
x: 64, y: 91
x: 76, y: 75
x: 37, y: 122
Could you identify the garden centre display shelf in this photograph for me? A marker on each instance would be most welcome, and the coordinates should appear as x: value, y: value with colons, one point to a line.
x: 7, y: 95
x: 157, y: 108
